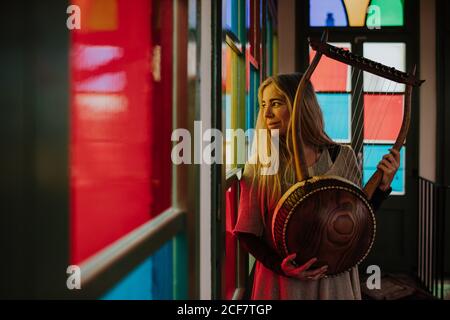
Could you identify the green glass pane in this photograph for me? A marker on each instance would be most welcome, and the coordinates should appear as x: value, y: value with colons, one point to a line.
x: 269, y: 47
x: 385, y: 13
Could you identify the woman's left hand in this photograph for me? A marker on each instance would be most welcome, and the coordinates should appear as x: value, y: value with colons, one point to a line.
x: 389, y: 166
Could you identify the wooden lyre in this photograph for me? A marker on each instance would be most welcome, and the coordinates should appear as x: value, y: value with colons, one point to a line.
x: 329, y: 217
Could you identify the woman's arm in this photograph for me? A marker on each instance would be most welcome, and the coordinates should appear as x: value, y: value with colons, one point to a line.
x: 378, y: 197
x: 271, y: 260
x: 262, y: 252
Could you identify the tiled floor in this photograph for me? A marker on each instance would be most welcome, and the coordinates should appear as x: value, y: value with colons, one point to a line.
x: 396, y: 287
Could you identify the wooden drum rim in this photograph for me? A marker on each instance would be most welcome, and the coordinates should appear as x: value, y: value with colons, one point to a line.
x: 352, y: 188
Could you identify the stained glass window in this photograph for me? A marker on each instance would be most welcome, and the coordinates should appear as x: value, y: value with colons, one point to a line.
x: 383, y: 116
x: 252, y: 104
x: 332, y: 82
x: 336, y: 109
x: 327, y: 13
x: 385, y: 13
x: 383, y: 108
x: 356, y: 13
x: 115, y: 178
x: 230, y: 21
x: 331, y: 75
x: 229, y: 99
x: 151, y: 280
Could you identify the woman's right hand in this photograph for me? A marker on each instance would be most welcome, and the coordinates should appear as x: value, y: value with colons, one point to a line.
x: 303, y: 272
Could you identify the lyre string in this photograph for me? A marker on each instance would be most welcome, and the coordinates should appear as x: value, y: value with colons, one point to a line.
x: 382, y: 120
x: 348, y: 160
x: 348, y: 168
x: 379, y: 121
x: 342, y: 115
x: 344, y: 170
x: 360, y: 133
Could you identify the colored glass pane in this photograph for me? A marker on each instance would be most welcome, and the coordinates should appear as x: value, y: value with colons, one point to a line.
x: 383, y: 114
x: 252, y: 97
x: 228, y: 98
x: 327, y: 13
x: 230, y: 16
x: 385, y: 13
x: 247, y: 14
x: 336, y: 113
x: 391, y: 54
x: 373, y: 155
x: 151, y: 280
x: 116, y: 183
x: 331, y: 75
x: 356, y: 12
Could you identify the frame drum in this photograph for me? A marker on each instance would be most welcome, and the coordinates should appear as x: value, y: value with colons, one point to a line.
x: 326, y: 217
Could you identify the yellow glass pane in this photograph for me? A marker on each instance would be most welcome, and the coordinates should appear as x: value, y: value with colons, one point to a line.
x: 356, y: 12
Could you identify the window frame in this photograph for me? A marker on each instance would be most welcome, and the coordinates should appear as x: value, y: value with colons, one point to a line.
x: 250, y: 54
x: 178, y: 223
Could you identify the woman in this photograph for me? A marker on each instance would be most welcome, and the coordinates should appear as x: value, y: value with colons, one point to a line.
x: 277, y: 278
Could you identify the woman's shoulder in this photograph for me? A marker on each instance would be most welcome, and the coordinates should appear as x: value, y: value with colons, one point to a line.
x: 339, y: 150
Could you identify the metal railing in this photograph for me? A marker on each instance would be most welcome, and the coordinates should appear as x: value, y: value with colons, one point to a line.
x: 431, y: 236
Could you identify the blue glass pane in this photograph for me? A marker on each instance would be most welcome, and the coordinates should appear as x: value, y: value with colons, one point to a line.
x: 230, y: 16
x: 247, y: 14
x: 336, y: 114
x: 373, y: 155
x: 152, y: 279
x: 226, y: 14
x: 249, y: 110
x: 327, y: 13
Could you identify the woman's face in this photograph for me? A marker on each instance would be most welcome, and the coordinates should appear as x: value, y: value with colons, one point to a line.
x: 275, y: 109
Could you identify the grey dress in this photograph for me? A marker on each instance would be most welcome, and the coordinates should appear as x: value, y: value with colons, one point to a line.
x: 269, y: 285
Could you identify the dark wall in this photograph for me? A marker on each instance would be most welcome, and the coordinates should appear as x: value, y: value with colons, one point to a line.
x: 443, y: 105
x: 34, y: 124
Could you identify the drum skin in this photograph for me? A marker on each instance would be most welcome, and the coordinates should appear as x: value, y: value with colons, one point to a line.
x: 326, y: 217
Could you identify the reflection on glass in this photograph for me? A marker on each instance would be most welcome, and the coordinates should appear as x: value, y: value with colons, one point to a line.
x: 110, y: 124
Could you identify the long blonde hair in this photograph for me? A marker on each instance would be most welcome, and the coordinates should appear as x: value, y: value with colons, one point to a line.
x: 312, y: 132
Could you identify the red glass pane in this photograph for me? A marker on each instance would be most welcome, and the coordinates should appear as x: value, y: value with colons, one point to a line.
x: 115, y: 171
x: 254, y: 33
x: 383, y: 116
x: 230, y: 242
x: 331, y: 75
